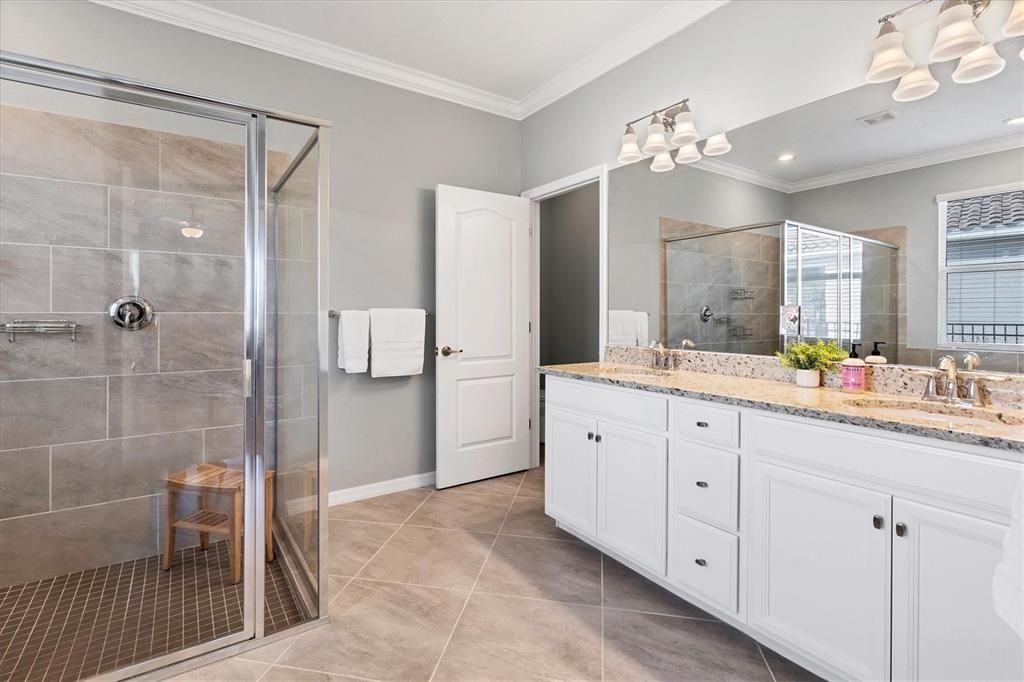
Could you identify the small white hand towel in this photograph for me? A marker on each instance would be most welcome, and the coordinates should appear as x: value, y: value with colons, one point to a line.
x: 353, y: 340
x: 642, y: 326
x: 396, y: 341
x: 622, y: 328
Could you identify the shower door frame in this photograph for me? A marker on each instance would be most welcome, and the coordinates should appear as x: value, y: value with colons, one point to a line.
x: 53, y: 75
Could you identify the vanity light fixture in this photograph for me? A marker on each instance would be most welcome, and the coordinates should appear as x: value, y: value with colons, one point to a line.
x: 655, y: 142
x: 1014, y: 25
x: 662, y: 162
x: 717, y: 145
x: 957, y: 33
x: 890, y: 60
x: 685, y: 132
x: 978, y: 65
x: 787, y: 156
x: 916, y: 85
x: 629, y: 151
x: 688, y: 153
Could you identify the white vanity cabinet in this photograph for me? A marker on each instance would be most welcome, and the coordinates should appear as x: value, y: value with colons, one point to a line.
x: 606, y: 460
x: 860, y: 554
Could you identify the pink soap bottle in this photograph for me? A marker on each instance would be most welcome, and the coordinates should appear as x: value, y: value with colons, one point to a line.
x: 853, y: 371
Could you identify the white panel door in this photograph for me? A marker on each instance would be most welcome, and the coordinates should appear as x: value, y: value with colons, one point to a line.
x: 570, y: 475
x: 819, y: 569
x: 632, y: 494
x: 482, y: 322
x: 943, y: 624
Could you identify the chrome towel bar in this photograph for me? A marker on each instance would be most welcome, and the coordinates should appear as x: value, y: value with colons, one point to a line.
x: 334, y: 313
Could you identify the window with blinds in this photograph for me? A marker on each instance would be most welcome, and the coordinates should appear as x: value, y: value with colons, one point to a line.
x: 982, y: 272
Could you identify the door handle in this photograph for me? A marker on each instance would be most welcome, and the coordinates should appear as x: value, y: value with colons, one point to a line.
x: 448, y: 350
x: 901, y: 529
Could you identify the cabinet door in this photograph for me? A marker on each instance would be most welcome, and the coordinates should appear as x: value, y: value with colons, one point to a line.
x: 570, y: 462
x: 943, y: 622
x: 819, y: 569
x: 632, y: 485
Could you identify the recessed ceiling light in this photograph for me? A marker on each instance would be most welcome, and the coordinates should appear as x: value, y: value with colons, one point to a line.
x: 1015, y: 121
x: 787, y: 157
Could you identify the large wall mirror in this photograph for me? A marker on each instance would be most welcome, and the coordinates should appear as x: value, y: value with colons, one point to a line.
x: 896, y: 223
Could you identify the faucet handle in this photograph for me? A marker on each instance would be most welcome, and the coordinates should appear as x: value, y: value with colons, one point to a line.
x: 971, y: 361
x: 981, y: 376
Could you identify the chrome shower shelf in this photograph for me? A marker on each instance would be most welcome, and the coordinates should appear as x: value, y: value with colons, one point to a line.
x: 41, y: 327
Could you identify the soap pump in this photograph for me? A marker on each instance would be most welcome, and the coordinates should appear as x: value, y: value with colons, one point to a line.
x: 876, y: 357
x: 852, y: 375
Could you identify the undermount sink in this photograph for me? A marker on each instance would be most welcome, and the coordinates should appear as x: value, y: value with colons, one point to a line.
x: 936, y: 411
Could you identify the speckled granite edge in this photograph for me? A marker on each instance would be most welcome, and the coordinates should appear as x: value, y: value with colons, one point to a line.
x: 889, y: 379
x: 946, y: 435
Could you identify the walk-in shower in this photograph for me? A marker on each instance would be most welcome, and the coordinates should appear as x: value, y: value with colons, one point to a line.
x: 162, y: 373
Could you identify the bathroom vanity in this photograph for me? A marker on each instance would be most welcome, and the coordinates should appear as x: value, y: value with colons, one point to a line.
x: 860, y: 544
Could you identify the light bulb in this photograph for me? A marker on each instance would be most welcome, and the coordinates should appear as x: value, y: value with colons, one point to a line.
x: 957, y: 34
x: 717, y: 145
x: 916, y: 85
x: 688, y: 154
x: 191, y: 230
x: 662, y: 162
x: 890, y: 60
x: 1014, y: 25
x: 978, y: 65
x: 628, y: 150
x: 685, y: 132
x: 655, y: 142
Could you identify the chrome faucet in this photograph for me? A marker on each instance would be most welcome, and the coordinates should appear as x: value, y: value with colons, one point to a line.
x: 947, y: 364
x: 687, y: 344
x: 951, y: 395
x: 660, y: 358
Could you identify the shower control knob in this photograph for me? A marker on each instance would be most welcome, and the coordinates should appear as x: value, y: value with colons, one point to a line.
x: 131, y: 313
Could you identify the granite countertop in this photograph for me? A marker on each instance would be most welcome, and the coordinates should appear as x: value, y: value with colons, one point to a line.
x: 1002, y: 429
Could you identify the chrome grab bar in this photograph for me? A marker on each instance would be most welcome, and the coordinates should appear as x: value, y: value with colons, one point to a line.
x: 41, y: 327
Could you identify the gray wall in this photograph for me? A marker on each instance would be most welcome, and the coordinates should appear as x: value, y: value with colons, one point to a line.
x: 637, y: 198
x: 569, y: 301
x: 389, y: 149
x: 908, y: 199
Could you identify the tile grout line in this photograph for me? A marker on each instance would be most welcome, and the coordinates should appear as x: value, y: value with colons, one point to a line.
x: 472, y: 589
x: 765, y: 659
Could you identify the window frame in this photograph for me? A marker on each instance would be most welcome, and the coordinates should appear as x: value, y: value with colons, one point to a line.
x: 944, y: 270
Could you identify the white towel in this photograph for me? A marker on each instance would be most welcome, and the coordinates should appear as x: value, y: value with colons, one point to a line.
x: 1008, y: 580
x: 642, y: 327
x: 396, y: 341
x: 353, y: 340
x: 622, y: 328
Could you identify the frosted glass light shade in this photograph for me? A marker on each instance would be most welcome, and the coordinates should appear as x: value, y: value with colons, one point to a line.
x: 685, y: 132
x: 957, y: 34
x: 717, y: 145
x: 688, y: 154
x: 890, y: 60
x: 1014, y: 25
x: 662, y: 162
x: 629, y: 150
x: 978, y: 65
x: 916, y: 85
x: 655, y: 142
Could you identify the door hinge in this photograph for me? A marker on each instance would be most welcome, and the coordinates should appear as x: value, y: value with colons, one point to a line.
x: 529, y: 424
x: 529, y: 327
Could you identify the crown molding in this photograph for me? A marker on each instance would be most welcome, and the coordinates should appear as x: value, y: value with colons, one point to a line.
x: 211, y: 21
x: 639, y: 38
x: 237, y: 29
x: 719, y: 167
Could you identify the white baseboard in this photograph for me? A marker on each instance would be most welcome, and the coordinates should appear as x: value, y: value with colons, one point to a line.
x: 362, y: 492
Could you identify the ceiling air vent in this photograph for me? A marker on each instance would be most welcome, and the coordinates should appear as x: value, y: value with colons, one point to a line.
x: 871, y: 120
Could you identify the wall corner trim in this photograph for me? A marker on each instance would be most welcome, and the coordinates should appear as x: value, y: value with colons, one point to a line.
x: 394, y: 485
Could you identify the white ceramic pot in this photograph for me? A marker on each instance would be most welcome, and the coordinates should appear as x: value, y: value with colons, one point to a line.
x: 808, y: 378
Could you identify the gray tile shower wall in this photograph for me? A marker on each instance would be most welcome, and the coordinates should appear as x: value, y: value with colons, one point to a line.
x: 90, y: 211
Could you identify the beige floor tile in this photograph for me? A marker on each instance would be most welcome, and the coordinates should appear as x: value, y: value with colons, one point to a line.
x: 353, y: 542
x: 533, y: 483
x: 268, y: 653
x: 499, y: 485
x: 506, y: 638
x: 228, y: 670
x: 280, y: 673
x: 335, y: 584
x: 527, y: 517
x: 543, y: 569
x: 478, y: 513
x: 643, y: 646
x: 430, y: 556
x: 380, y: 631
x: 627, y: 589
x: 785, y: 670
x: 393, y: 508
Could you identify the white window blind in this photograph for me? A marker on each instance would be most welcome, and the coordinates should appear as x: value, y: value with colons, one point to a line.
x: 983, y: 270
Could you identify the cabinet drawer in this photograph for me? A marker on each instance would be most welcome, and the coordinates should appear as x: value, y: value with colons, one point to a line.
x: 705, y: 561
x: 630, y: 407
x: 714, y: 425
x: 705, y: 483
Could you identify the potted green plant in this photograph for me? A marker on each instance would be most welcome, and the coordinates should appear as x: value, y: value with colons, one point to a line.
x: 809, y: 359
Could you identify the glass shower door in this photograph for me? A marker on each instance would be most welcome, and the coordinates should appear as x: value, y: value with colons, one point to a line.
x: 123, y: 495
